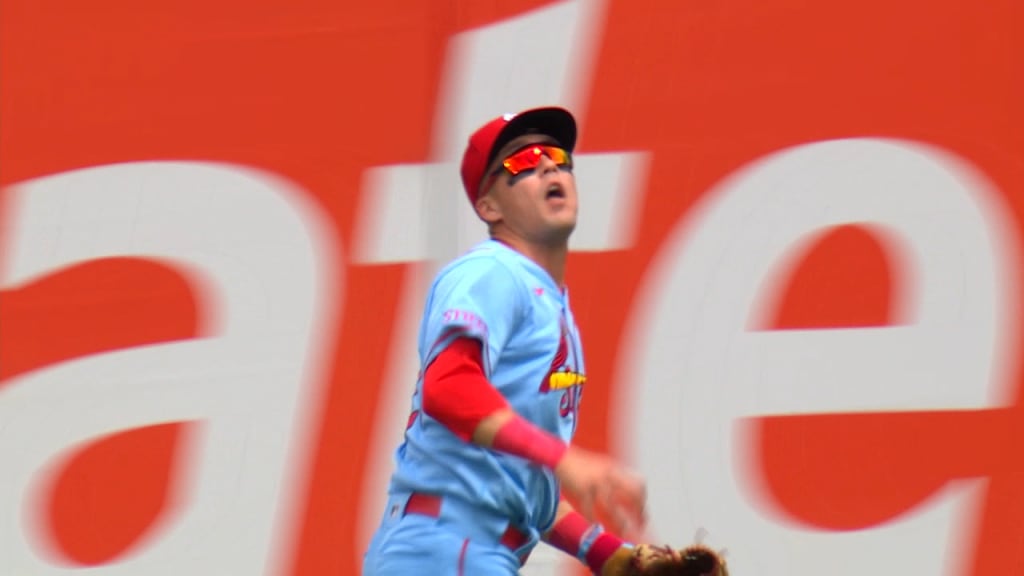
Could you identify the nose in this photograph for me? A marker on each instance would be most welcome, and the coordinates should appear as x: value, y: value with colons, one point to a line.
x: 546, y: 164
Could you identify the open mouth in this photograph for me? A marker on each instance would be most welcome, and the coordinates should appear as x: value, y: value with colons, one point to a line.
x: 555, y: 191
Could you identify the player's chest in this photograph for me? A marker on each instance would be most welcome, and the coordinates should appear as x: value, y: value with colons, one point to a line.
x: 549, y: 388
x: 549, y: 342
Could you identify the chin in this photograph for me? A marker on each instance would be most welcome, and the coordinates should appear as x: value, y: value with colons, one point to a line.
x: 560, y: 231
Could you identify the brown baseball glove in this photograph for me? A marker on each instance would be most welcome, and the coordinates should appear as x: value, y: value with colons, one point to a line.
x: 696, y: 560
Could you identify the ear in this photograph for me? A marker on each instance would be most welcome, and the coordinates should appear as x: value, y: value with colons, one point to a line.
x: 488, y: 208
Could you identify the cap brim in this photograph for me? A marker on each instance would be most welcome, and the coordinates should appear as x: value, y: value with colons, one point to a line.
x: 557, y: 123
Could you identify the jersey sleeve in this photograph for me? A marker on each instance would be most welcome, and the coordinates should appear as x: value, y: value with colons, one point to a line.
x: 480, y: 299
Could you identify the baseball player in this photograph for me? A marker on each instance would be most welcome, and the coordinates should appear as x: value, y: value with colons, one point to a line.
x: 487, y: 468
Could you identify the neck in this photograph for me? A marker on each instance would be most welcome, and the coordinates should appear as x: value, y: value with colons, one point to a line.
x: 550, y: 257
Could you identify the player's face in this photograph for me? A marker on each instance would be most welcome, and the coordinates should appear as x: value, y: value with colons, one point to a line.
x: 539, y: 204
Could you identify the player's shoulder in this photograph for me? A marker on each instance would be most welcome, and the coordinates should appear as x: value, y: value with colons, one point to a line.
x: 487, y: 261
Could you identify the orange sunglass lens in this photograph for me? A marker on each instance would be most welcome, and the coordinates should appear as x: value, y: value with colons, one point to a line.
x: 560, y: 156
x: 528, y: 158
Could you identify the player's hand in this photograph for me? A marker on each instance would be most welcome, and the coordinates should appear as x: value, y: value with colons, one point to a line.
x: 604, y: 491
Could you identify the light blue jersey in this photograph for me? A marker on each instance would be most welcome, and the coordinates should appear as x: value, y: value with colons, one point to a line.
x: 532, y: 355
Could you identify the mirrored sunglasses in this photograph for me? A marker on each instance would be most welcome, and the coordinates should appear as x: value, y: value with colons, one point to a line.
x: 529, y: 157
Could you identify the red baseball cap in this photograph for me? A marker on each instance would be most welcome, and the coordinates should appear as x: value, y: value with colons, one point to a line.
x: 485, y: 143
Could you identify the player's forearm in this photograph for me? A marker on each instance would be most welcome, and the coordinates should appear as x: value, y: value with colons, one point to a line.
x: 563, y: 510
x: 488, y: 428
x: 517, y: 436
x: 604, y: 553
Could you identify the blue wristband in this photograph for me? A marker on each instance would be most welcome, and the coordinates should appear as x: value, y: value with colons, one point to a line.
x: 588, y: 541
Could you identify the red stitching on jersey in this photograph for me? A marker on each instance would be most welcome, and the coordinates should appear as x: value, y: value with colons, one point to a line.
x: 462, y: 557
x: 561, y: 356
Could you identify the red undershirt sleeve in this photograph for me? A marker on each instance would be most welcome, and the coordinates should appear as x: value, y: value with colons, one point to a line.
x: 456, y: 392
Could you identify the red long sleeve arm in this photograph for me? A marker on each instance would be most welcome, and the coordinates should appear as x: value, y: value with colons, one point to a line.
x: 456, y: 392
